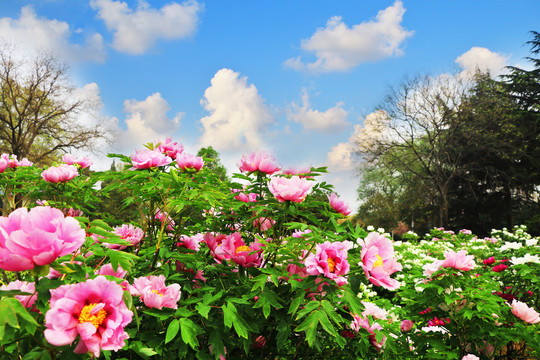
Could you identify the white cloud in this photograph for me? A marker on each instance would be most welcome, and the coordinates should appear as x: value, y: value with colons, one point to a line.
x: 333, y: 119
x: 238, y: 114
x: 31, y: 33
x: 135, y: 31
x: 341, y: 157
x: 480, y: 58
x: 340, y: 48
x: 147, y: 121
x: 92, y: 116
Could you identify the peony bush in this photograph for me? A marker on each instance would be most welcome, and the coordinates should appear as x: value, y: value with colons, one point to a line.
x: 163, y: 259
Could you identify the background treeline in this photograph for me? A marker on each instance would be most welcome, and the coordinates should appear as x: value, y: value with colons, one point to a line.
x: 458, y: 151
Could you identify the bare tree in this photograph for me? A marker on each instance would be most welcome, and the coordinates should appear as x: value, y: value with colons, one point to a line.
x: 40, y: 111
x: 414, y: 132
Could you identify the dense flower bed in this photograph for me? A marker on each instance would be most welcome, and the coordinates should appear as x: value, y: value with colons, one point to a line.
x: 166, y: 260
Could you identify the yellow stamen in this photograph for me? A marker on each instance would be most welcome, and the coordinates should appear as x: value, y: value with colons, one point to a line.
x: 242, y: 248
x: 378, y: 262
x: 157, y: 292
x: 331, y: 265
x: 93, y: 317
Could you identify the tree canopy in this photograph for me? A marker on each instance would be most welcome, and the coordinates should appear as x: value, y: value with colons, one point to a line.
x: 469, y: 149
x: 40, y: 110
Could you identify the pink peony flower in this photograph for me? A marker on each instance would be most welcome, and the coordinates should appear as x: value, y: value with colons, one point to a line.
x: 170, y: 148
x: 438, y: 322
x: 294, y: 189
x: 128, y: 232
x: 525, y: 313
x: 500, y: 267
x: 213, y: 242
x: 60, y: 173
x: 190, y: 242
x: 459, y: 260
x: 164, y: 217
x: 339, y: 205
x: 330, y: 260
x: 373, y: 310
x: 83, y: 162
x: 187, y: 161
x: 25, y: 162
x: 37, y: 237
x: 107, y: 269
x: 429, y: 269
x: 93, y: 310
x: 26, y: 300
x: 146, y: 158
x: 10, y: 161
x: 249, y: 197
x: 299, y: 233
x: 406, y: 325
x: 258, y: 161
x: 72, y: 212
x: 4, y: 162
x: 378, y: 260
x: 358, y: 322
x: 263, y: 223
x: 154, y: 293
x: 234, y: 248
x: 301, y: 172
x: 470, y: 357
x: 489, y: 260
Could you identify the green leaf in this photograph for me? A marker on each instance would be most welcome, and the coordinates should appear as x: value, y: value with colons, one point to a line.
x: 227, y: 315
x: 208, y: 298
x: 9, y: 315
x: 203, y: 309
x: 15, y: 315
x: 101, y: 224
x: 296, y: 303
x: 284, y: 330
x: 309, y: 326
x: 267, y: 299
x: 353, y: 302
x: 13, y: 293
x: 259, y: 281
x: 189, y: 332
x: 310, y: 306
x: 62, y: 268
x: 331, y: 312
x: 326, y: 324
x: 172, y: 330
x: 162, y: 314
x: 232, y: 318
x: 216, y: 341
x: 121, y: 258
x: 145, y: 352
x: 128, y: 299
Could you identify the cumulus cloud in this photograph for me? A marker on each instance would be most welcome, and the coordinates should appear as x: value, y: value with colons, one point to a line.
x: 238, y: 114
x: 333, y: 119
x: 341, y: 156
x: 147, y: 121
x: 31, y: 33
x: 485, y: 60
x: 92, y: 116
x: 135, y: 31
x: 340, y: 48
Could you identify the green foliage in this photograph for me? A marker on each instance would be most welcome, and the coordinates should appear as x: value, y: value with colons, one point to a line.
x: 456, y: 156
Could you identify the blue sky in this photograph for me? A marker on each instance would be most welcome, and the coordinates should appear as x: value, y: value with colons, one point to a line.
x: 297, y: 78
